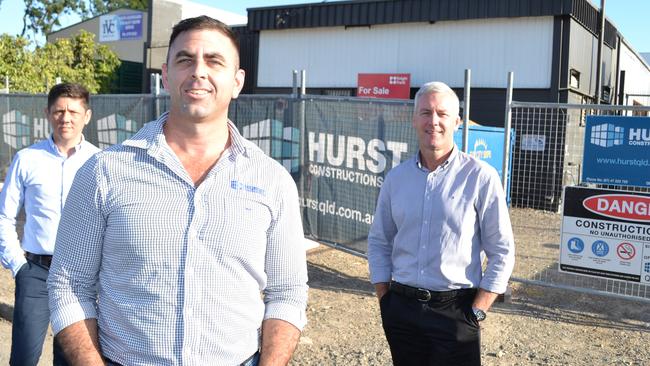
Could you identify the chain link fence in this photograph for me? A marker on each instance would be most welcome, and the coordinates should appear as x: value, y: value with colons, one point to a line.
x: 548, y: 156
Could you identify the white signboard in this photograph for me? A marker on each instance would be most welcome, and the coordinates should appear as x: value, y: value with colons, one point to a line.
x: 606, y: 234
x: 533, y: 142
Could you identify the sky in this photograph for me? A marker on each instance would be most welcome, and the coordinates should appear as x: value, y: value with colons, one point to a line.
x: 631, y: 17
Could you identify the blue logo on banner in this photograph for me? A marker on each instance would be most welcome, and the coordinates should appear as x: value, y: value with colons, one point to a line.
x: 600, y: 248
x: 607, y: 135
x: 646, y: 267
x: 617, y: 151
x: 576, y: 245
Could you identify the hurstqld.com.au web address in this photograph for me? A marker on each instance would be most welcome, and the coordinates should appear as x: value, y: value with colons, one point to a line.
x: 328, y: 207
x: 627, y: 162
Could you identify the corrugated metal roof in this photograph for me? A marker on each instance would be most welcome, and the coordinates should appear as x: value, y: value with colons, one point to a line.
x: 369, y: 12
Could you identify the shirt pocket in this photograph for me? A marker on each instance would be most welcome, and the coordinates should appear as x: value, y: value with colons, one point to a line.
x: 241, y: 225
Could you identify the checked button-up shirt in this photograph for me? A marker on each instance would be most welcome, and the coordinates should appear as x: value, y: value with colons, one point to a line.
x: 177, y: 274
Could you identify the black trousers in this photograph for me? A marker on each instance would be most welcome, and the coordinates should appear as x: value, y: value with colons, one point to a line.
x: 438, y: 332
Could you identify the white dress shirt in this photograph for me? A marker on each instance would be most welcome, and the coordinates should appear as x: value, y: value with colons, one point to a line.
x: 430, y: 227
x: 38, y: 179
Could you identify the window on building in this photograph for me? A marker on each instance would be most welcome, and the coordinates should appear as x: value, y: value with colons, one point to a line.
x: 574, y: 79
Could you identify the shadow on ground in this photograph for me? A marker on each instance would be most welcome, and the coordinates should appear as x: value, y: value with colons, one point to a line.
x: 571, y: 307
x: 6, y: 311
x: 324, y: 278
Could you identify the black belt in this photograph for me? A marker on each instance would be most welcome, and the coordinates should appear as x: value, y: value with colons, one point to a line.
x: 42, y: 259
x: 424, y: 295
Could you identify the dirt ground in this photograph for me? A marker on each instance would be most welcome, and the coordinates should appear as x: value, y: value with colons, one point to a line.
x: 538, y: 326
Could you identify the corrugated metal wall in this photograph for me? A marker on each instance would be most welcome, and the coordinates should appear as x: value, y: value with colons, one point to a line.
x: 637, y: 76
x: 333, y: 56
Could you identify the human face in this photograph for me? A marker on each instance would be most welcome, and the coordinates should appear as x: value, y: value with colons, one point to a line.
x: 202, y: 75
x: 68, y: 116
x: 435, y: 121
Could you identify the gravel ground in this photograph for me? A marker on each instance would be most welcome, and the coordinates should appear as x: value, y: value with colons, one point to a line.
x: 538, y: 326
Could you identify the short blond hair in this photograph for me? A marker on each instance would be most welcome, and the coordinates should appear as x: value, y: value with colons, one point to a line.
x: 436, y: 87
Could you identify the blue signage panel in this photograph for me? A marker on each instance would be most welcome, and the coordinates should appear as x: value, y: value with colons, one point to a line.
x: 122, y: 27
x: 486, y: 143
x: 617, y: 151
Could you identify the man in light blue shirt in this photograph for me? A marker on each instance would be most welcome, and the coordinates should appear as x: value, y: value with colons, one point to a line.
x: 39, y: 179
x: 436, y: 213
x: 182, y: 245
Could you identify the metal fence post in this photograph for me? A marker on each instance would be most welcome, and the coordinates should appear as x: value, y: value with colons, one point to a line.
x: 468, y: 77
x: 294, y: 84
x: 508, y: 126
x: 155, y: 91
x: 301, y: 126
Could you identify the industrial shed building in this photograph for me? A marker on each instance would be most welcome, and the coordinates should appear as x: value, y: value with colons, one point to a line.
x: 550, y: 45
x: 140, y: 44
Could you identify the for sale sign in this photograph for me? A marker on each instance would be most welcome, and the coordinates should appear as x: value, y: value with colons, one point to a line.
x: 396, y: 86
x: 606, y: 233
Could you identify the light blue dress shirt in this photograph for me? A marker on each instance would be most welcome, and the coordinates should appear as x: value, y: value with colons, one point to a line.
x: 430, y: 227
x: 177, y: 274
x: 39, y: 178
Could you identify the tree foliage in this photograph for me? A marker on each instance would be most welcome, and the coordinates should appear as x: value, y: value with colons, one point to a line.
x: 43, y: 16
x: 93, y: 8
x: 77, y: 59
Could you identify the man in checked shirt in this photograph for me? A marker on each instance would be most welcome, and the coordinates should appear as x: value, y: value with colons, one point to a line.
x: 435, y: 214
x: 168, y: 239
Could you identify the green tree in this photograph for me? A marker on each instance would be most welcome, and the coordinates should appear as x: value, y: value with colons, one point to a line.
x: 93, y: 8
x: 77, y: 59
x: 42, y: 16
x: 17, y: 62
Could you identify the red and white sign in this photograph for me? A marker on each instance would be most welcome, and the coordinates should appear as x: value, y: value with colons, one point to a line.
x: 620, y: 206
x: 396, y: 86
x: 626, y: 251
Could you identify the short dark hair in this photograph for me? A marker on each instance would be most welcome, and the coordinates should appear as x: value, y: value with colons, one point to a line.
x: 200, y: 23
x: 68, y: 90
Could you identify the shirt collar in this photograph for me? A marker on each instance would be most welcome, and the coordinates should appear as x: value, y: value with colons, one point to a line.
x: 55, y: 149
x: 443, y: 166
x: 152, y: 138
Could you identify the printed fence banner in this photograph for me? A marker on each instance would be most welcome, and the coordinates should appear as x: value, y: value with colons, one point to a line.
x: 338, y: 157
x: 606, y: 233
x: 617, y: 151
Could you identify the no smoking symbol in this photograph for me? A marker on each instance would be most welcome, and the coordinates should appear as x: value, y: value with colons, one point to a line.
x: 626, y: 251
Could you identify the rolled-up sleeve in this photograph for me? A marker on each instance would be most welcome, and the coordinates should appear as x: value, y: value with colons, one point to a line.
x: 380, y: 238
x: 497, y: 238
x: 285, y: 295
x: 73, y: 276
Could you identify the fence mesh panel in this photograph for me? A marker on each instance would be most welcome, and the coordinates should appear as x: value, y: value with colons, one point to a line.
x: 548, y: 156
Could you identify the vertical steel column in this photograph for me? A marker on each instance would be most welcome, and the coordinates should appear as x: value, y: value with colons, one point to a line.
x: 468, y: 77
x: 508, y: 126
x: 294, y: 84
x: 303, y: 131
x: 599, y: 58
